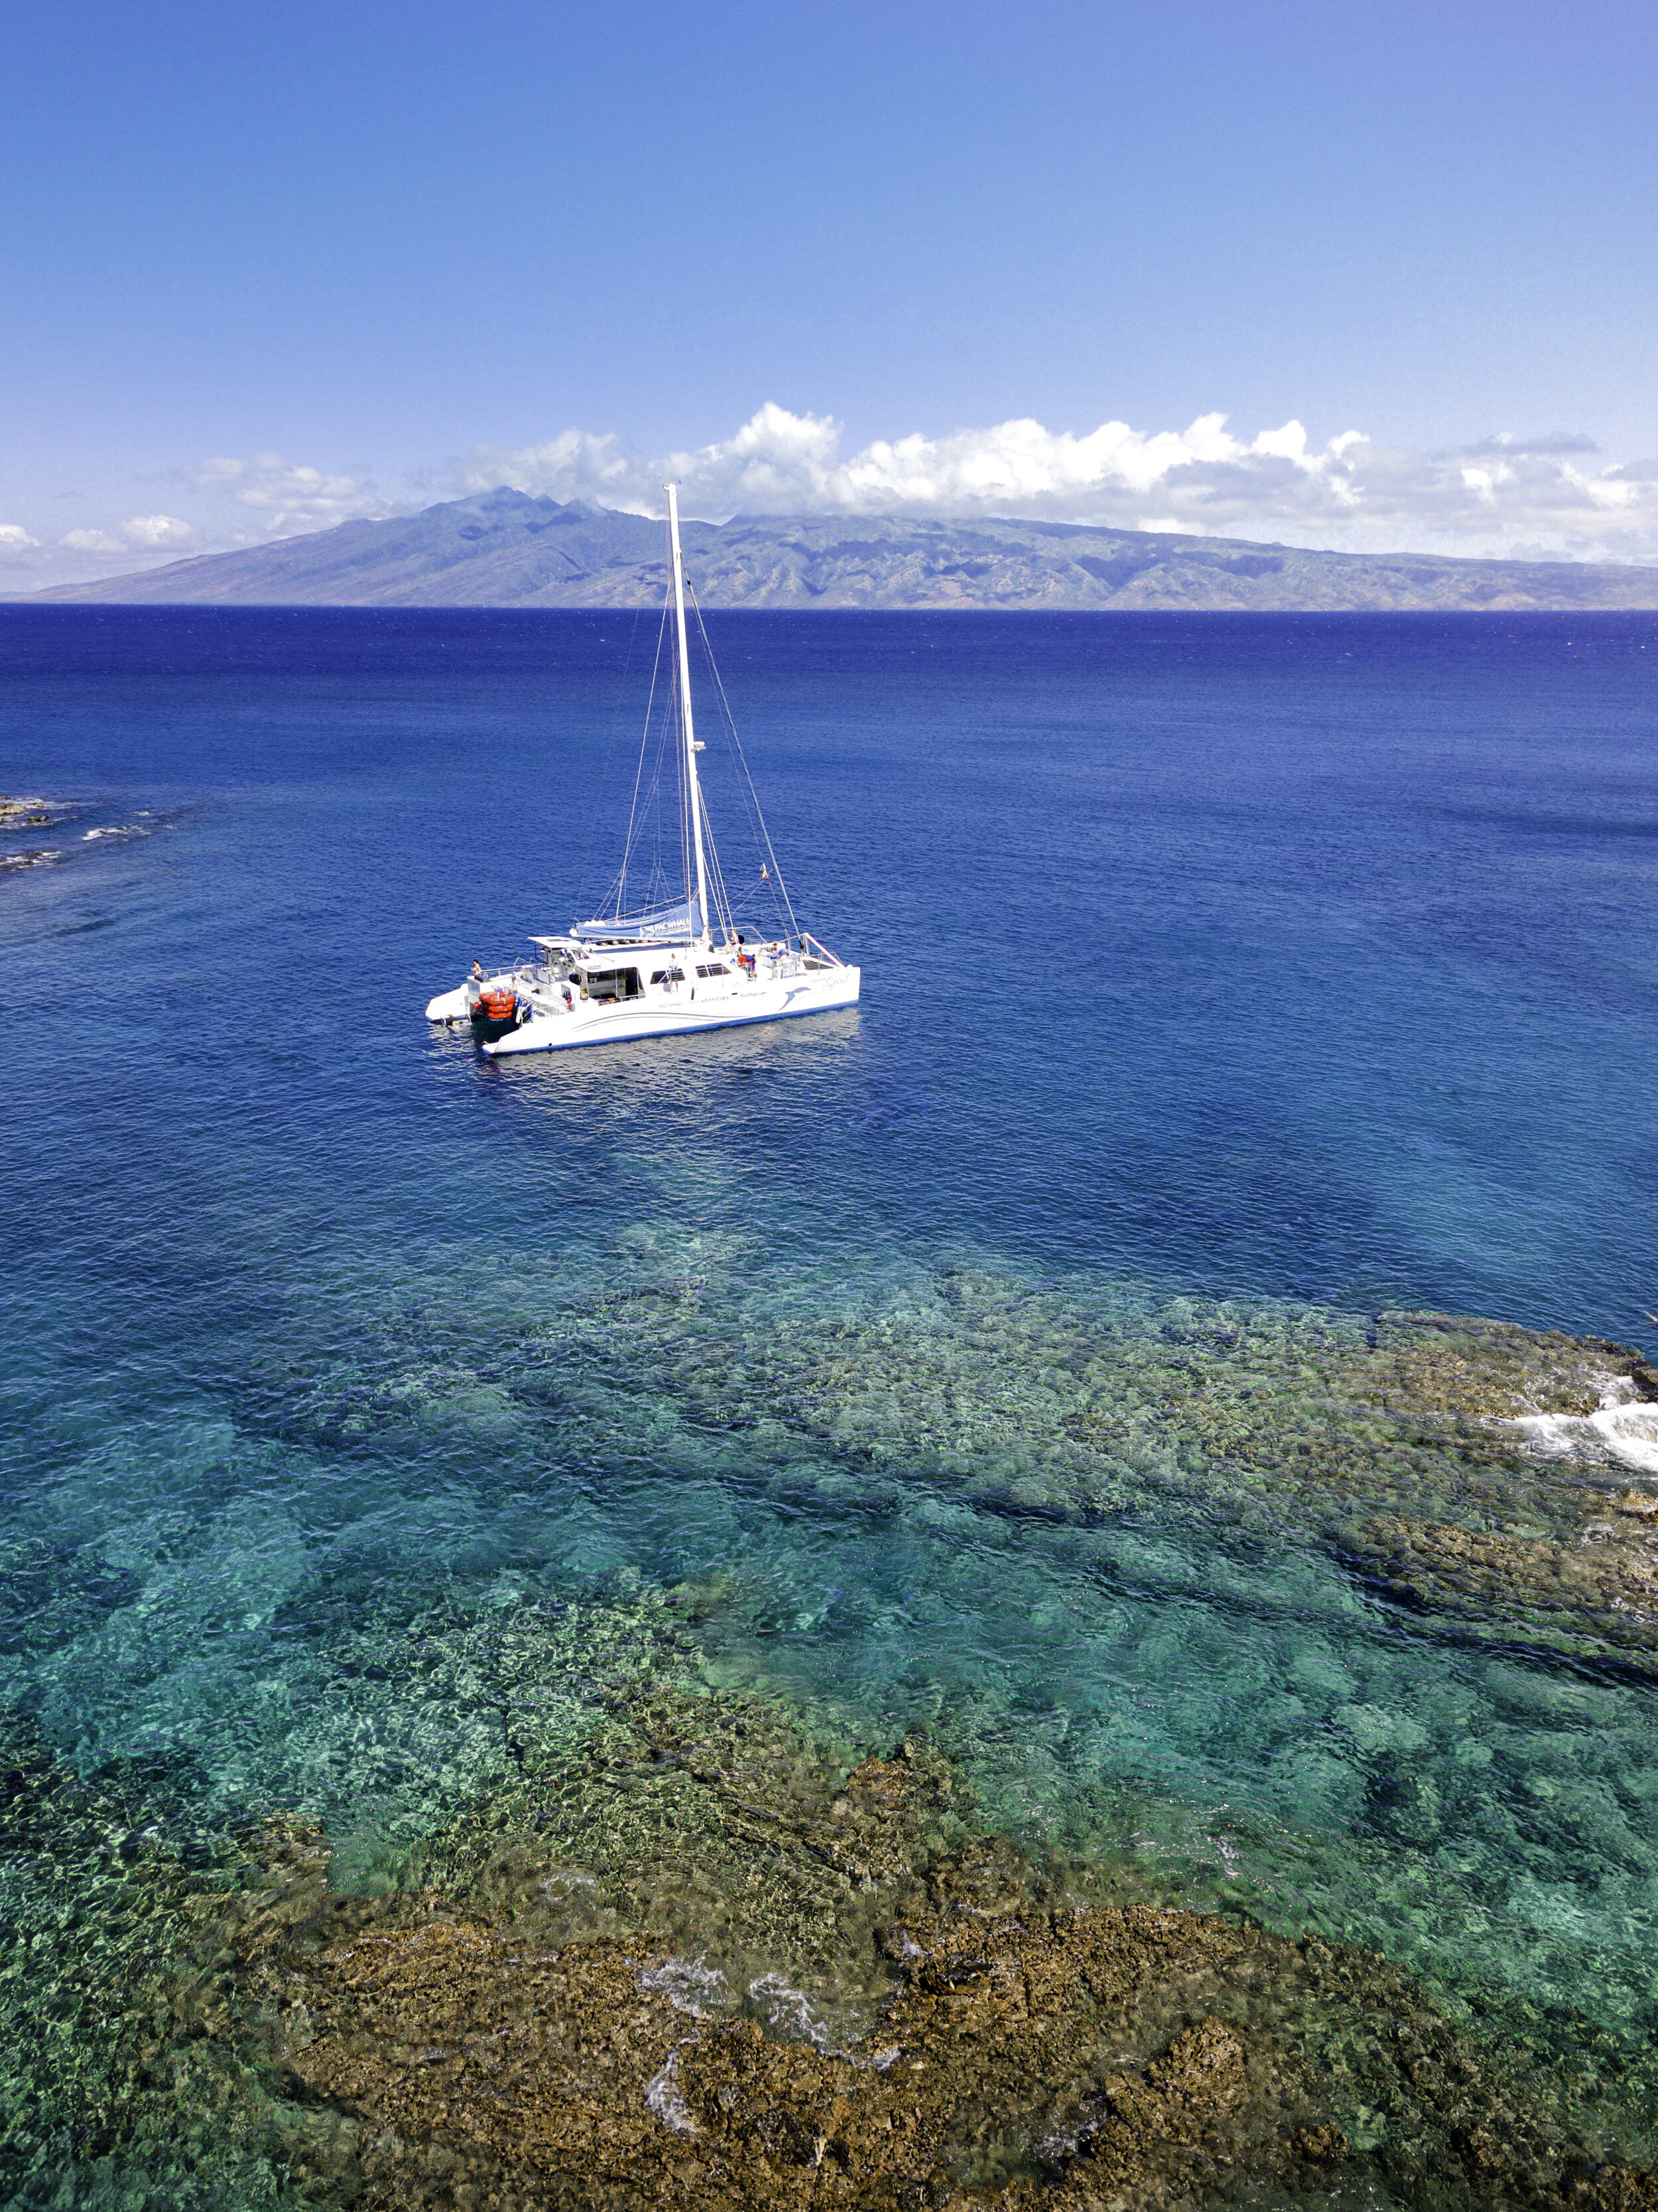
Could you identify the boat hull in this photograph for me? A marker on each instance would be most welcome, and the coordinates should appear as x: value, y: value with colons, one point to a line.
x: 625, y: 1021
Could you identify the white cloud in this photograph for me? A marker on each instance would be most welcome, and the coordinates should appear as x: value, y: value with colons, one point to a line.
x: 236, y: 503
x: 159, y: 531
x: 143, y: 533
x: 288, y: 498
x: 1351, y: 493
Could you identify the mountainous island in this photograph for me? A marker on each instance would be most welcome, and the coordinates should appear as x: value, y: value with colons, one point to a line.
x: 508, y: 549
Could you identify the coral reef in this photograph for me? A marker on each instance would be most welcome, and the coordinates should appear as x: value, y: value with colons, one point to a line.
x: 700, y: 1960
x: 593, y: 1924
x: 1024, y: 2039
x: 1407, y: 1438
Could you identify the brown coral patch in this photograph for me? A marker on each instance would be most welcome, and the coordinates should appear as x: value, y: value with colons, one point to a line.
x: 1011, y: 2053
x: 1029, y: 2054
x: 1456, y: 1365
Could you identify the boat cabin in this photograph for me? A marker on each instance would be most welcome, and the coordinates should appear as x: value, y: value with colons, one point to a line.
x: 608, y: 982
x: 593, y: 968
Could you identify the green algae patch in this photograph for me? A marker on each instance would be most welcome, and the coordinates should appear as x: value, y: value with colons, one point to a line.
x: 113, y: 2089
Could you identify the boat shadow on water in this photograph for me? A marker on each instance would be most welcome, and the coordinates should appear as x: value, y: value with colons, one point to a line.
x: 656, y: 1071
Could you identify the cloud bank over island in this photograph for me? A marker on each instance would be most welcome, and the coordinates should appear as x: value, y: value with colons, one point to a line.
x: 1547, y: 495
x: 1538, y: 498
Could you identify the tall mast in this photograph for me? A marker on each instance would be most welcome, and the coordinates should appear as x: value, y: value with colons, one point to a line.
x: 693, y: 787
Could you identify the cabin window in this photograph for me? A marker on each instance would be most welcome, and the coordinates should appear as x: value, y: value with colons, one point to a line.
x: 668, y: 974
x: 714, y: 969
x: 612, y: 982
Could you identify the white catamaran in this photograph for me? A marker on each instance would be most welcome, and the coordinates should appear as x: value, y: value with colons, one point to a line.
x: 682, y: 964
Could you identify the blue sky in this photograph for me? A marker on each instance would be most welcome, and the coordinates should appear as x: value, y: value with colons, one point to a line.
x: 266, y: 267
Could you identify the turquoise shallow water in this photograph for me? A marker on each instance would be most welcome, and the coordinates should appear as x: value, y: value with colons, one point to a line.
x: 1219, y: 974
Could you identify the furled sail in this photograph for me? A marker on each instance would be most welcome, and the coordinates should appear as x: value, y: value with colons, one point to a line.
x: 680, y: 923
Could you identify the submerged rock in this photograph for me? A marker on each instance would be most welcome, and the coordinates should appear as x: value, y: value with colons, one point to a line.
x: 641, y: 1938
x: 1468, y: 1474
x: 1470, y: 1470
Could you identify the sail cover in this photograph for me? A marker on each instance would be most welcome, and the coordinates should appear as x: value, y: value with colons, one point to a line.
x: 678, y: 924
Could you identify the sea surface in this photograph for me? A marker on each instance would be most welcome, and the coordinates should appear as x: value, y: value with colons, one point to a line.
x: 1291, y: 967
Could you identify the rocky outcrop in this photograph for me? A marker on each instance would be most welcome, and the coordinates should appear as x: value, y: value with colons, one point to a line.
x: 1021, y: 2038
x: 1510, y: 1517
x: 25, y: 813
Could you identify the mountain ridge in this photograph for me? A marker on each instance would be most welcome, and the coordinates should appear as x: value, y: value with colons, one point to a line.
x: 506, y: 547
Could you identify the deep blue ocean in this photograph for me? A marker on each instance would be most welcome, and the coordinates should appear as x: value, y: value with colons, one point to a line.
x: 1300, y: 962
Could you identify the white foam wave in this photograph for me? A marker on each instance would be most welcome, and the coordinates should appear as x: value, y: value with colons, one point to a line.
x: 688, y: 1983
x: 788, y: 2007
x: 663, y: 2094
x: 1625, y: 1426
x: 1630, y: 1432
